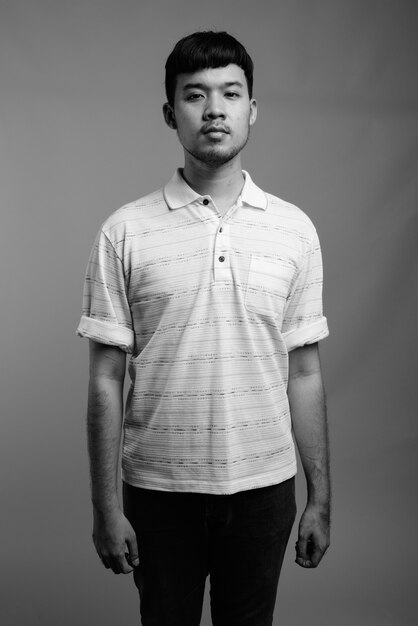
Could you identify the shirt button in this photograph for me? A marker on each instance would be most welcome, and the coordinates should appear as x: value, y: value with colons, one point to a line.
x: 221, y: 229
x: 205, y: 201
x: 221, y: 259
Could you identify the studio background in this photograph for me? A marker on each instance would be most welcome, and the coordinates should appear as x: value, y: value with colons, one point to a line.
x: 337, y: 134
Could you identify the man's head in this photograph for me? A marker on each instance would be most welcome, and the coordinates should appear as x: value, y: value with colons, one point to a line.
x: 209, y: 80
x: 203, y: 50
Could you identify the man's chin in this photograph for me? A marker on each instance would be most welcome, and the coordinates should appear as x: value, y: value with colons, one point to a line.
x: 215, y: 157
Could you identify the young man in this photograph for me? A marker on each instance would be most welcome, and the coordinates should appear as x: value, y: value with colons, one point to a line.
x: 214, y: 288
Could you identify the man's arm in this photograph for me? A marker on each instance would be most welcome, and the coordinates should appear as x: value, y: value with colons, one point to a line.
x: 113, y: 535
x: 309, y: 420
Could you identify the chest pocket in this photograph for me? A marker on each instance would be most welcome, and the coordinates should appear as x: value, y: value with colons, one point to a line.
x: 268, y: 286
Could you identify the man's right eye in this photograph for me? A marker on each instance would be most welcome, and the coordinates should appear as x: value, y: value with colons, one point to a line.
x: 194, y: 96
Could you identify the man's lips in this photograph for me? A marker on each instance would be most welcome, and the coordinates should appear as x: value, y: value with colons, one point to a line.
x: 215, y: 129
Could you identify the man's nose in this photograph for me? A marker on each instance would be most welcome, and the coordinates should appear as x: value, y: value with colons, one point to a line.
x: 214, y: 108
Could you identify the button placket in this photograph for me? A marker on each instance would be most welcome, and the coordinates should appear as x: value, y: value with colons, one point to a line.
x: 221, y: 260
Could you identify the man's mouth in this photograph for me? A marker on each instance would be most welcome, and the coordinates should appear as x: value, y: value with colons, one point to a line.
x: 215, y: 129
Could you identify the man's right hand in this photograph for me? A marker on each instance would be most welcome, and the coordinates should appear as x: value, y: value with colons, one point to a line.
x: 115, y: 541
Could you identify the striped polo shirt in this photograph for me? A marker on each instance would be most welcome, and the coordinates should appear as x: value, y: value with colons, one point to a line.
x: 208, y: 307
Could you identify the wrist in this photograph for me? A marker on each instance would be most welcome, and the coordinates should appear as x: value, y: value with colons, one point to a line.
x: 320, y: 505
x: 105, y: 507
x: 320, y: 499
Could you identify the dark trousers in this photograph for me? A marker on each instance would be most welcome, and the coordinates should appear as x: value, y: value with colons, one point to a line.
x: 238, y: 540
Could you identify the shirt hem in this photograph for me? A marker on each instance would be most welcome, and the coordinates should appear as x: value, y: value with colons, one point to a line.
x: 226, y: 488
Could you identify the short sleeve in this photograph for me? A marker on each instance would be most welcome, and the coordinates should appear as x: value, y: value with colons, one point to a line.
x: 304, y: 322
x: 106, y: 316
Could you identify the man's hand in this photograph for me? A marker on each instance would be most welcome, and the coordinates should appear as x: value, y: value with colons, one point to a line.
x: 115, y: 542
x: 313, y: 540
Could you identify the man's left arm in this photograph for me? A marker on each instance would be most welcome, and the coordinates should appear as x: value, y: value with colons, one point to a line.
x: 309, y: 421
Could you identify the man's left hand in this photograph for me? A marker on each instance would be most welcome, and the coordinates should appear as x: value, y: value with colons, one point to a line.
x: 314, y: 536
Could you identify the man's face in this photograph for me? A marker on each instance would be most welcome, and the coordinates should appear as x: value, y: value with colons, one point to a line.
x: 212, y: 113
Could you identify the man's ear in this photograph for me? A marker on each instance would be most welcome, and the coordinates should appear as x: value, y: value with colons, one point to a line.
x: 253, y: 111
x: 169, y: 116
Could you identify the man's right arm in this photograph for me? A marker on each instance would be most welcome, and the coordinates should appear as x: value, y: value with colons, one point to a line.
x: 113, y: 535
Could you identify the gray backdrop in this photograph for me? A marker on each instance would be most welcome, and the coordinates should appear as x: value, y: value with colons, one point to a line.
x: 81, y: 134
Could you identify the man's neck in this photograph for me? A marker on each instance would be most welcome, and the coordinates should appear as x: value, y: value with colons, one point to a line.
x: 223, y: 184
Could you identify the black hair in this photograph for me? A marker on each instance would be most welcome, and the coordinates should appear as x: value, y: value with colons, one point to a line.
x: 206, y: 49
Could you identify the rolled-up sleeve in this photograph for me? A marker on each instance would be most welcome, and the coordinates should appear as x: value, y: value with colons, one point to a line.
x: 106, y: 316
x: 304, y: 322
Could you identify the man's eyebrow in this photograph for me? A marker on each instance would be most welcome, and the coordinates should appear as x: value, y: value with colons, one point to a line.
x: 233, y: 83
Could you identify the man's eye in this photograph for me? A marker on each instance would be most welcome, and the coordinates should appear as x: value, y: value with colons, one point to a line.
x: 232, y: 94
x: 194, y: 96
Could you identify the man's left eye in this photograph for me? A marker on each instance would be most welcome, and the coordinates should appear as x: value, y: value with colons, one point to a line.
x: 232, y: 94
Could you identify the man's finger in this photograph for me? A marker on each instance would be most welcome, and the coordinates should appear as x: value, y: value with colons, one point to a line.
x: 302, y: 547
x: 120, y: 565
x: 317, y: 554
x: 132, y: 556
x: 302, y: 555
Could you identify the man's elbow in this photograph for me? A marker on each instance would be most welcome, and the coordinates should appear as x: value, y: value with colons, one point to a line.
x: 304, y: 362
x: 107, y: 363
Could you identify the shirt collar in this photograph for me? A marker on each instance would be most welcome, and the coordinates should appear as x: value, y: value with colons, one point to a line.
x: 177, y: 193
